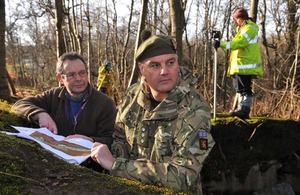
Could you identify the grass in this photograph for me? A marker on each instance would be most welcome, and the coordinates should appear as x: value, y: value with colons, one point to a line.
x: 26, y: 168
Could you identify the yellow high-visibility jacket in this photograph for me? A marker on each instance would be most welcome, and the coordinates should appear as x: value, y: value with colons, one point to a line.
x: 245, y: 57
x: 103, y: 77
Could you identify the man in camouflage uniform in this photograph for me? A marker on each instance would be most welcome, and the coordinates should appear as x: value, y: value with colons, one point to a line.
x: 163, y: 133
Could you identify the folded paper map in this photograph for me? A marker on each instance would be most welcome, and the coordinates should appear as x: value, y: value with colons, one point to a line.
x: 74, y: 150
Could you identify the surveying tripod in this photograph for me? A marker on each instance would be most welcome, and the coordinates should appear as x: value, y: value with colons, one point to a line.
x: 107, y: 85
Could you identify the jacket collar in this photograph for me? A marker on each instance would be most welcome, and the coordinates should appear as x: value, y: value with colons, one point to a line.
x: 64, y: 91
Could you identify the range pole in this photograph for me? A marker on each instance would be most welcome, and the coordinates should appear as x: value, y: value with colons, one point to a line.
x: 215, y: 83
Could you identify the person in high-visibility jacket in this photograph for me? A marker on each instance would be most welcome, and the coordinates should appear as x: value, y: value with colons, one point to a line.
x: 103, y: 81
x: 245, y: 60
x: 106, y: 82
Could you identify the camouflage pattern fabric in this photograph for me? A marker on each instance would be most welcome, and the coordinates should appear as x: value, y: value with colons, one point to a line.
x: 164, y: 146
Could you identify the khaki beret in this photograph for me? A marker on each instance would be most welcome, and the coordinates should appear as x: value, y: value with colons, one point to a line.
x: 154, y: 45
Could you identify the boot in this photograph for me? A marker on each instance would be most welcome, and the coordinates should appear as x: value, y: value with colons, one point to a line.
x: 237, y: 105
x: 242, y: 113
x: 243, y: 109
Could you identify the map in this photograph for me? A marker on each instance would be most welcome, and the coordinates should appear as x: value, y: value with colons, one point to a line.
x: 74, y: 151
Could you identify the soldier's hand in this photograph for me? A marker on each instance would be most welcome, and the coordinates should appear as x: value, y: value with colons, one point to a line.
x: 101, y: 154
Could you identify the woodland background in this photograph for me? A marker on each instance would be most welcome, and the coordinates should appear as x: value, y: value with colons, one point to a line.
x: 34, y: 33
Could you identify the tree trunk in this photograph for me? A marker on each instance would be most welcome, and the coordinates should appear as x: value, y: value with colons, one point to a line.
x: 253, y: 12
x: 11, y: 85
x: 4, y: 89
x: 106, y: 52
x: 77, y: 36
x: 291, y: 29
x: 177, y: 24
x: 89, y: 49
x: 135, y: 70
x: 125, y: 47
x: 59, y: 31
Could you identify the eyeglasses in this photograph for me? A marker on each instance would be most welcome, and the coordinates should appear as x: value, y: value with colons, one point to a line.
x: 72, y: 75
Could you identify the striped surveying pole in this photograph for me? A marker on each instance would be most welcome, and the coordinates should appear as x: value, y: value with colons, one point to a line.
x: 215, y: 83
x: 216, y: 36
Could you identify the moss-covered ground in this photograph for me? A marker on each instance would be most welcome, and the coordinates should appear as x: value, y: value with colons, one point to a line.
x: 242, y: 144
x: 26, y: 168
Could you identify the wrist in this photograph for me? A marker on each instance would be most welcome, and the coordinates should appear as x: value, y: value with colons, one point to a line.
x: 37, y: 116
x: 118, y: 164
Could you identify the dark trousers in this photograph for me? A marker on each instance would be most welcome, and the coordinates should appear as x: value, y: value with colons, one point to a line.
x: 243, y: 84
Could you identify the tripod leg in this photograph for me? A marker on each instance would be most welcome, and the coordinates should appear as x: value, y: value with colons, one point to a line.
x: 235, y: 102
x: 100, y: 85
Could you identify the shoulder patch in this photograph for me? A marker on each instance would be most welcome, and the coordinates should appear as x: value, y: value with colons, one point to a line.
x: 203, y: 142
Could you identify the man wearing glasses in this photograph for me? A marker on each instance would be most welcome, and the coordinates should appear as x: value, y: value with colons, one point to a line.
x: 75, y: 110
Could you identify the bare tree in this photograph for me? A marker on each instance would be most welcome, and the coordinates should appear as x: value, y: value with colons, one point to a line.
x: 59, y: 18
x: 4, y: 89
x: 123, y: 59
x: 143, y: 15
x: 115, y: 38
x: 89, y: 41
x: 111, y: 35
x: 106, y: 51
x: 177, y: 8
x: 254, y: 8
x: 76, y: 24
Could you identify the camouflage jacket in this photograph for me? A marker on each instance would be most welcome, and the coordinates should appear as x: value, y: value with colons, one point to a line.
x: 165, y: 146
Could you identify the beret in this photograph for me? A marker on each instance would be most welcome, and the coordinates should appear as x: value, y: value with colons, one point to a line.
x: 154, y: 45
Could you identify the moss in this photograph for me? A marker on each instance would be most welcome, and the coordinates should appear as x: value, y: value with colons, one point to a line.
x: 7, y: 118
x: 26, y: 168
x: 241, y: 144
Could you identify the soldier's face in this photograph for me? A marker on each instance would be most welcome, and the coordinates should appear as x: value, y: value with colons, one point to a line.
x: 74, y: 77
x: 161, y: 74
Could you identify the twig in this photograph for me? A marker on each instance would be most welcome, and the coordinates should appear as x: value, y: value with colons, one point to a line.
x: 27, y: 179
x: 254, y: 130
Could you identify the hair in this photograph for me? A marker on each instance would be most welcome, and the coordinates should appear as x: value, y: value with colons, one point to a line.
x: 68, y: 56
x: 240, y: 13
